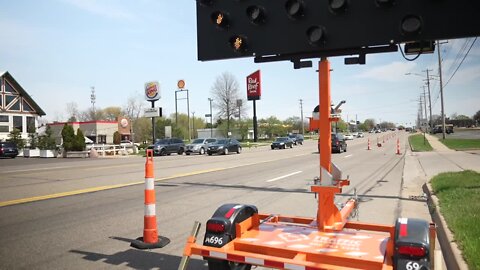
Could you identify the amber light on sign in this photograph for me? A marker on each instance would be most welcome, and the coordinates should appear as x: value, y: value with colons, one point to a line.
x: 238, y: 43
x: 219, y: 18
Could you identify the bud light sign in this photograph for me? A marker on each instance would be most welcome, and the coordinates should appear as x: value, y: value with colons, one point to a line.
x: 253, y: 86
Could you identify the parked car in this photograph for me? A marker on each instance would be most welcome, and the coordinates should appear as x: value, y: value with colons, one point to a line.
x: 296, y: 138
x: 354, y: 134
x: 378, y: 131
x: 164, y: 147
x: 348, y: 136
x: 128, y: 143
x: 199, y: 146
x: 339, y: 143
x: 360, y: 135
x: 8, y: 149
x: 224, y: 146
x: 282, y: 143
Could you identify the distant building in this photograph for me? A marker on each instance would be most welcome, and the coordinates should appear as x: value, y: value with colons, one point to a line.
x: 17, y: 108
x: 96, y: 131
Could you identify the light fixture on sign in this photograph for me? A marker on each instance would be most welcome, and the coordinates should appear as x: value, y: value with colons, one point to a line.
x: 238, y: 43
x: 181, y: 84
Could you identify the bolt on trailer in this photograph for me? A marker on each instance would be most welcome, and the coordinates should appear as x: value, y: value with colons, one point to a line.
x: 237, y: 236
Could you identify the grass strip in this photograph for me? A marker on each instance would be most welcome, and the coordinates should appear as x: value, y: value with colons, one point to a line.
x: 459, y: 196
x: 419, y: 143
x: 462, y: 144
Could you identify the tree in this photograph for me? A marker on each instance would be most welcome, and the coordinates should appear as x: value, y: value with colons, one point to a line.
x: 111, y: 113
x: 72, y: 111
x: 79, y: 142
x: 476, y: 118
x: 47, y: 142
x: 225, y: 92
x: 133, y: 110
x: 15, y: 136
x: 68, y: 137
x: 369, y: 124
x: 117, y: 137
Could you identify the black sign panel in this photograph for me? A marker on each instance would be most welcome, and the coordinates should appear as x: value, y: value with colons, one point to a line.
x: 234, y: 28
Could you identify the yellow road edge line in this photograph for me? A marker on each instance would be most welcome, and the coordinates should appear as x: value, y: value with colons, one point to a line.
x: 101, y: 188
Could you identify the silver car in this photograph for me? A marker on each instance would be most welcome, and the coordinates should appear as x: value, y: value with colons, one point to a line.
x: 199, y: 146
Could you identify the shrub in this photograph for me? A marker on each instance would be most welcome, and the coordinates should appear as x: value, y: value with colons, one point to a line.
x: 79, y: 141
x: 117, y: 137
x: 68, y: 137
x: 15, y: 136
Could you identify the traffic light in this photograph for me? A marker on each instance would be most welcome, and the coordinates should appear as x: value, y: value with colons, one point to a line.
x: 298, y: 29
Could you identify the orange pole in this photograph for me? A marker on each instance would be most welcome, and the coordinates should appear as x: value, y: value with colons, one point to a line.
x: 368, y: 148
x: 324, y: 110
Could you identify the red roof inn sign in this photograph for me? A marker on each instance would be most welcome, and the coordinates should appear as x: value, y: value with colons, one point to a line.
x: 254, y: 89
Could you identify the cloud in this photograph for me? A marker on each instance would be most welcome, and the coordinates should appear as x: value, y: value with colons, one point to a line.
x: 393, y: 72
x: 108, y: 9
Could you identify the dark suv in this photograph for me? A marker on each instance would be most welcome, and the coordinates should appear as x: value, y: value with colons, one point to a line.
x: 8, y: 149
x: 338, y: 143
x: 296, y: 138
x: 164, y: 147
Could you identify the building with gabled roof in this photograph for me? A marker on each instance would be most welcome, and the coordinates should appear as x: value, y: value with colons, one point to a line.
x: 17, y: 108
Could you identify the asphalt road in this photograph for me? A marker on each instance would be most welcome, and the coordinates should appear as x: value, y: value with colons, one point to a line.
x: 82, y: 214
x: 462, y: 134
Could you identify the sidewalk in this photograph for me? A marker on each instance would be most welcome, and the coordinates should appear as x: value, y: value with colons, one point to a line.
x: 419, y: 168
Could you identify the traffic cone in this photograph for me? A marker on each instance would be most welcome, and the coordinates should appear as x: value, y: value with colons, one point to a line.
x: 398, y: 147
x: 383, y: 138
x: 368, y: 147
x: 150, y: 237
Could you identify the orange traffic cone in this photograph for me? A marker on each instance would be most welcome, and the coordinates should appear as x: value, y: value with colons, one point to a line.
x: 368, y: 146
x: 398, y: 147
x: 150, y: 237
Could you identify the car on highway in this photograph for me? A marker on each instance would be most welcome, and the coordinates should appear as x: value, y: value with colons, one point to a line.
x: 378, y: 131
x: 348, y: 136
x: 282, y: 143
x: 8, y: 149
x: 199, y: 146
x: 296, y: 138
x: 224, y: 146
x: 360, y: 135
x: 168, y: 146
x: 339, y: 143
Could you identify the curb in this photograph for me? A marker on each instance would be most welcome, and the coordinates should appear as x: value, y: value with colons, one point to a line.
x: 451, y: 253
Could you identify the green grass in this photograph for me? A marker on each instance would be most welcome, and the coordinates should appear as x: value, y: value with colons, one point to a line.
x: 419, y: 144
x: 459, y: 195
x: 462, y: 144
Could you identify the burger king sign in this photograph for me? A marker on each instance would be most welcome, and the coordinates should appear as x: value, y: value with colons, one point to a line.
x: 152, y: 91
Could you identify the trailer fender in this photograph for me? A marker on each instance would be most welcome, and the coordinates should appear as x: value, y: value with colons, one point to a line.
x: 221, y: 229
x: 412, y: 244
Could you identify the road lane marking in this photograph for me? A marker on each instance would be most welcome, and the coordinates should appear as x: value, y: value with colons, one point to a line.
x: 347, y: 156
x: 96, y: 189
x: 102, y: 188
x: 284, y: 176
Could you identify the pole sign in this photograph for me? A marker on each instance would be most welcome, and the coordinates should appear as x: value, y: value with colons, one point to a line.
x: 152, y: 91
x: 153, y: 112
x: 253, y: 86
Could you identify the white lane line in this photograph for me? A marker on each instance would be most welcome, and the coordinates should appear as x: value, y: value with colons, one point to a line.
x: 347, y: 156
x: 285, y: 176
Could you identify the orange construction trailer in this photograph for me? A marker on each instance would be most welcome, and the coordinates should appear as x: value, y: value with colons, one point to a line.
x: 238, y: 237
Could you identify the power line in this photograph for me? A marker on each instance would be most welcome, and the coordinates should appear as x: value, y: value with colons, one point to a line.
x: 465, y: 56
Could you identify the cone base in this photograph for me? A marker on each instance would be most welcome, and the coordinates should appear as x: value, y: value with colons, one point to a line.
x: 138, y: 243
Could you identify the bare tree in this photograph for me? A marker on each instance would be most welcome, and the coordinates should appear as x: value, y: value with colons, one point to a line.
x: 133, y: 109
x: 72, y: 111
x: 225, y: 92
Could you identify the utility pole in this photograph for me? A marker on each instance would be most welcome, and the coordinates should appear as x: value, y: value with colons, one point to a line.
x: 211, y: 118
x: 429, y: 99
x: 441, y: 88
x: 301, y: 116
x: 425, y: 103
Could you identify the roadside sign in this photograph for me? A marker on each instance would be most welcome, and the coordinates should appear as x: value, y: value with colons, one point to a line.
x: 253, y: 86
x: 181, y: 84
x: 208, y: 115
x: 152, y: 91
x: 153, y: 112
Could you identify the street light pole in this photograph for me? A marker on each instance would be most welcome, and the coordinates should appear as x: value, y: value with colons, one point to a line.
x: 429, y: 101
x: 193, y: 124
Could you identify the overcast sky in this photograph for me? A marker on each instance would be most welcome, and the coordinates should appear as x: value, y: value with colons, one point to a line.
x: 58, y: 49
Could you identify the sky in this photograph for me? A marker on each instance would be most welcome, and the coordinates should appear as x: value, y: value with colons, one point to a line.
x: 58, y: 49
